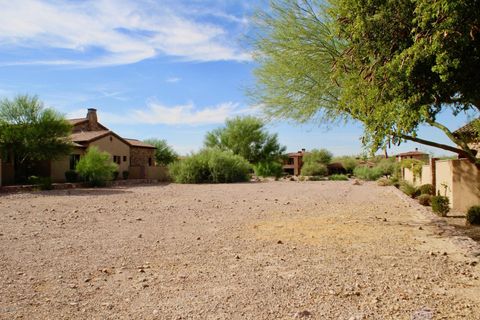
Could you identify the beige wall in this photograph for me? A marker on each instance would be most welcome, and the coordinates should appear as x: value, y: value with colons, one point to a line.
x: 157, y: 173
x: 426, y: 175
x: 444, y: 179
x: 59, y: 167
x: 115, y: 147
x: 466, y: 185
x: 408, y: 176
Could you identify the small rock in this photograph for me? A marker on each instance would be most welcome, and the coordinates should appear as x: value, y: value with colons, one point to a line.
x: 303, y: 314
x: 279, y: 242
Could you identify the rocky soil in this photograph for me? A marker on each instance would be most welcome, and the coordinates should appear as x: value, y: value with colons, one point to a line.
x: 272, y: 250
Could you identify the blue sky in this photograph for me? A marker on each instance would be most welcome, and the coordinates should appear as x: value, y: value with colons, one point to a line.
x: 167, y: 69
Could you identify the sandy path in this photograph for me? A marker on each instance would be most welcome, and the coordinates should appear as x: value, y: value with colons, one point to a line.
x: 278, y: 250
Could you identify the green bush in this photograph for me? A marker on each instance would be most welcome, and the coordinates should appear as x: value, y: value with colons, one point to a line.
x: 338, y: 177
x: 268, y: 169
x: 210, y: 166
x: 314, y: 169
x: 321, y: 156
x: 125, y: 174
x: 367, y: 173
x: 349, y: 163
x: 440, y: 205
x: 409, y: 189
x: 473, y: 215
x: 71, y: 176
x: 43, y: 183
x: 388, y: 167
x: 426, y: 189
x: 96, y: 167
x: 425, y: 199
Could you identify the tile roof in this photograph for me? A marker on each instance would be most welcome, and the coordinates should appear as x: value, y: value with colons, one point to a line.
x: 412, y: 153
x: 86, y: 136
x: 76, y: 121
x: 469, y: 131
x: 138, y: 143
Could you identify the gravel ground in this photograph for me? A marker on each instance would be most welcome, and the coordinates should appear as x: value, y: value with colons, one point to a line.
x: 272, y: 250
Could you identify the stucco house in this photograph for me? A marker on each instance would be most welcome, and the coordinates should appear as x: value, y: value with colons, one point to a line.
x: 417, y: 155
x: 293, y: 162
x: 130, y: 155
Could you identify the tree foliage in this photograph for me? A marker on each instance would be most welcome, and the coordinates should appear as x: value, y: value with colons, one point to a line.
x: 96, y: 166
x: 393, y: 65
x: 32, y: 132
x: 164, y: 154
x: 247, y: 137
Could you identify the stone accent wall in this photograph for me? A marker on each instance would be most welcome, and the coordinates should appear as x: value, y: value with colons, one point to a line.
x: 139, y: 156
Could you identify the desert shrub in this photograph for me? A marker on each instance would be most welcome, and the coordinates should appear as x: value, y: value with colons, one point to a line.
x: 210, y: 166
x: 314, y: 169
x: 96, y: 167
x: 300, y: 178
x: 322, y: 156
x: 409, y: 189
x: 43, y: 183
x: 473, y: 215
x: 349, y: 163
x: 440, y: 205
x: 388, y: 167
x: 338, y: 177
x: 125, y: 174
x: 425, y: 199
x: 71, y: 176
x: 268, y: 169
x: 426, y: 189
x: 384, y: 182
x: 367, y: 173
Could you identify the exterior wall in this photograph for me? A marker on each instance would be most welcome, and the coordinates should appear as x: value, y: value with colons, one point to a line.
x: 444, y: 180
x: 59, y: 167
x: 408, y: 176
x: 139, y: 156
x: 115, y: 147
x: 157, y: 173
x: 426, y: 175
x: 466, y: 185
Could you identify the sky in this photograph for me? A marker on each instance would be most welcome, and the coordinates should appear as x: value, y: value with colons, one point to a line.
x: 168, y: 69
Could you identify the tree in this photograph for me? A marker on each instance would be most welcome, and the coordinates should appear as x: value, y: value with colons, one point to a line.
x: 392, y: 65
x: 164, y: 154
x: 31, y: 133
x: 96, y: 167
x: 247, y: 137
x: 315, y: 162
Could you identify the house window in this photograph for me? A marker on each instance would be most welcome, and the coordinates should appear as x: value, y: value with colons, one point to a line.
x: 74, y: 158
x: 117, y: 159
x: 111, y: 139
x: 149, y: 162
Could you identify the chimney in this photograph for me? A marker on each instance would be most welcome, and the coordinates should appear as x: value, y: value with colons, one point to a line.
x: 303, y: 150
x: 416, y: 149
x: 92, y: 118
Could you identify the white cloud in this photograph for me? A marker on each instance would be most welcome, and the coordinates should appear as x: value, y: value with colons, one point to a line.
x: 173, y: 80
x: 158, y: 113
x: 108, y: 32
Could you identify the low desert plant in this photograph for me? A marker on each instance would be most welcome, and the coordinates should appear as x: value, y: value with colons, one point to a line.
x: 43, y: 183
x: 268, y: 169
x: 314, y: 169
x: 125, y: 174
x: 426, y: 189
x: 210, y: 166
x: 366, y: 173
x: 338, y: 177
x: 316, y: 178
x: 425, y: 199
x: 409, y: 189
x: 440, y: 205
x: 71, y: 176
x: 473, y: 215
x: 96, y: 167
x: 384, y: 182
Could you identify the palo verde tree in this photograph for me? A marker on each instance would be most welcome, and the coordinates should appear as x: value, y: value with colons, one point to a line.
x: 30, y: 133
x: 392, y: 65
x: 246, y: 137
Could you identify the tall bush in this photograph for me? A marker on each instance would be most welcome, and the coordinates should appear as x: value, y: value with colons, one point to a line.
x: 268, y: 169
x: 210, y: 166
x: 367, y: 173
x: 440, y: 205
x: 96, y: 167
x: 314, y: 169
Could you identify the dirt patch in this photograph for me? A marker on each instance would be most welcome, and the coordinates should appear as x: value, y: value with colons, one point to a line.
x: 276, y: 250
